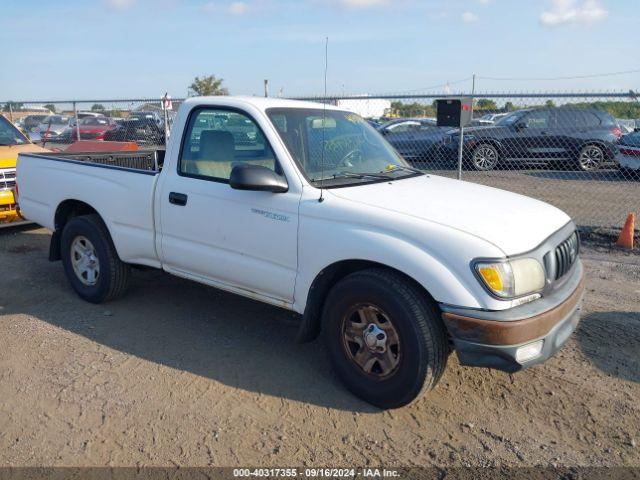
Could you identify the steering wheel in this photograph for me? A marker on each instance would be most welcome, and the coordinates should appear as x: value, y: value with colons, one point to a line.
x: 352, y: 158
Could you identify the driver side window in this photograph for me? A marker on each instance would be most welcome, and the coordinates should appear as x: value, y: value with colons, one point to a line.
x: 538, y: 119
x: 217, y: 140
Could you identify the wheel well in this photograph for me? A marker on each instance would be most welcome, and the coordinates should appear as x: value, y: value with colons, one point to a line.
x: 322, y: 284
x: 65, y: 212
x: 606, y: 151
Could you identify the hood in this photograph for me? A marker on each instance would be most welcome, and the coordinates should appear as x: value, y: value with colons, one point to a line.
x: 9, y: 153
x: 94, y: 128
x: 513, y: 223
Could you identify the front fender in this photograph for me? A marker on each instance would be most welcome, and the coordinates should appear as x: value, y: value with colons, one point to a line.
x: 449, y: 282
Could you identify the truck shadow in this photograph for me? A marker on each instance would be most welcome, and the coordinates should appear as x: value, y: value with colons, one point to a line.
x: 190, y: 327
x: 611, y: 341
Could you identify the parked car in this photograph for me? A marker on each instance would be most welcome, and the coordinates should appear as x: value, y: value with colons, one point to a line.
x: 319, y: 215
x: 136, y: 129
x: 30, y: 122
x: 583, y: 138
x: 488, y: 119
x: 12, y: 142
x: 149, y: 115
x: 89, y: 128
x: 81, y: 115
x: 628, y: 156
x: 416, y: 139
x: 52, y: 127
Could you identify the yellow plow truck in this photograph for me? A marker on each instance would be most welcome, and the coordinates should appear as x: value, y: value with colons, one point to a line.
x: 12, y: 142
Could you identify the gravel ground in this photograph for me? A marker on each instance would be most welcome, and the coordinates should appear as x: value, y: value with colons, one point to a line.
x: 179, y: 374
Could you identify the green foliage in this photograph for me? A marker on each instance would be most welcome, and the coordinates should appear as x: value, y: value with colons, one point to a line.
x: 51, y: 107
x: 415, y: 109
x: 12, y: 106
x: 97, y: 107
x: 510, y: 107
x: 206, y: 86
x: 486, y: 104
x: 549, y: 104
x: 629, y: 110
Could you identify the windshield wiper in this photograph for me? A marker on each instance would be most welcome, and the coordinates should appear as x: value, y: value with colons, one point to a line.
x: 378, y: 176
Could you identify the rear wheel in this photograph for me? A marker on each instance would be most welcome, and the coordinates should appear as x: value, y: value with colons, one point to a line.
x: 485, y: 157
x: 590, y: 158
x: 385, y: 337
x: 90, y: 260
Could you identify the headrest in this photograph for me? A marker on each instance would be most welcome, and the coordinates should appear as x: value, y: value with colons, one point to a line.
x: 217, y: 146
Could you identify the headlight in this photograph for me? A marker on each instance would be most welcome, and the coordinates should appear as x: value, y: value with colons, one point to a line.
x: 510, y: 279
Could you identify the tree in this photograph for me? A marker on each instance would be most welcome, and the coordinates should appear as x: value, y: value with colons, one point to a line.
x: 415, y: 109
x: 206, y: 86
x: 97, y: 107
x: 9, y: 106
x: 510, y: 107
x: 549, y: 104
x: 51, y: 107
x: 487, y: 104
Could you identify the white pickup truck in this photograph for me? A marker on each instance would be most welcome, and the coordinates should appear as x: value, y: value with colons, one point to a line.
x: 307, y: 207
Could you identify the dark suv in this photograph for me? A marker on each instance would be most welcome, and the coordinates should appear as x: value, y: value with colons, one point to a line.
x: 583, y: 138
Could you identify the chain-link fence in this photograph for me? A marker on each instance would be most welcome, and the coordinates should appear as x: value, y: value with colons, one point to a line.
x: 58, y: 124
x: 578, y: 151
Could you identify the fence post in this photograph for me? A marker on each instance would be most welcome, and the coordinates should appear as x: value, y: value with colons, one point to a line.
x: 460, y: 150
x: 10, y: 112
x: 75, y: 113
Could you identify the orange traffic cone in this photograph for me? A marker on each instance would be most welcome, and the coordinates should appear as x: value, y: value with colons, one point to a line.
x: 625, y: 239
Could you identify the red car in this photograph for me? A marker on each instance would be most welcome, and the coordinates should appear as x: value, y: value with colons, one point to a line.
x: 92, y: 128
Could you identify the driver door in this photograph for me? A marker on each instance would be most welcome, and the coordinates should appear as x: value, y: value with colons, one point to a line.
x: 243, y: 241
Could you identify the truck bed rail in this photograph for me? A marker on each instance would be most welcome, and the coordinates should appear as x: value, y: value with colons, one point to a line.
x: 145, y: 160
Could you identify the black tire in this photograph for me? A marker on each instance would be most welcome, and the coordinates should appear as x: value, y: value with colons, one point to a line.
x: 590, y: 158
x: 485, y: 157
x: 113, y: 277
x: 423, y: 342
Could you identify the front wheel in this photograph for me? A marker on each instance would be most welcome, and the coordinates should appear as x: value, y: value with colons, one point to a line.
x: 384, y: 336
x: 485, y: 157
x: 90, y: 260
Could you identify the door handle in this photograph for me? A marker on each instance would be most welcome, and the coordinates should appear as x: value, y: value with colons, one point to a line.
x: 178, y: 198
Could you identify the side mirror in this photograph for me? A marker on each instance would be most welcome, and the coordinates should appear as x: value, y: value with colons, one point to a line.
x: 257, y: 178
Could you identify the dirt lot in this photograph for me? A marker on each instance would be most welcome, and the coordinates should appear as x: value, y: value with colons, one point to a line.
x: 179, y: 374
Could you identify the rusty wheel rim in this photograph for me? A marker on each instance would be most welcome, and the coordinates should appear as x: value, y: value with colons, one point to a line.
x: 371, y: 341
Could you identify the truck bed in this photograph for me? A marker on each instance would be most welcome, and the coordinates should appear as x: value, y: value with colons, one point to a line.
x: 119, y: 186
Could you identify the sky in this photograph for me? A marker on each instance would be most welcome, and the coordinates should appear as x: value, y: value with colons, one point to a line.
x: 97, y: 49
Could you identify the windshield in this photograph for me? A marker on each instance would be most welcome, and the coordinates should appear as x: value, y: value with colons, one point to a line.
x: 56, y: 120
x: 352, y: 148
x: 10, y: 135
x: 94, y: 121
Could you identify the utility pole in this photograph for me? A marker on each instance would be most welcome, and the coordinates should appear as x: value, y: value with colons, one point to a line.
x: 473, y: 92
x: 266, y: 87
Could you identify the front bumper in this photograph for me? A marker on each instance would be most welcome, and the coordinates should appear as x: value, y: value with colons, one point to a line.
x: 492, y: 339
x: 8, y: 211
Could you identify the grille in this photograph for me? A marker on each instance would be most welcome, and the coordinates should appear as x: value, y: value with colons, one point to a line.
x: 566, y: 254
x: 7, y: 179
